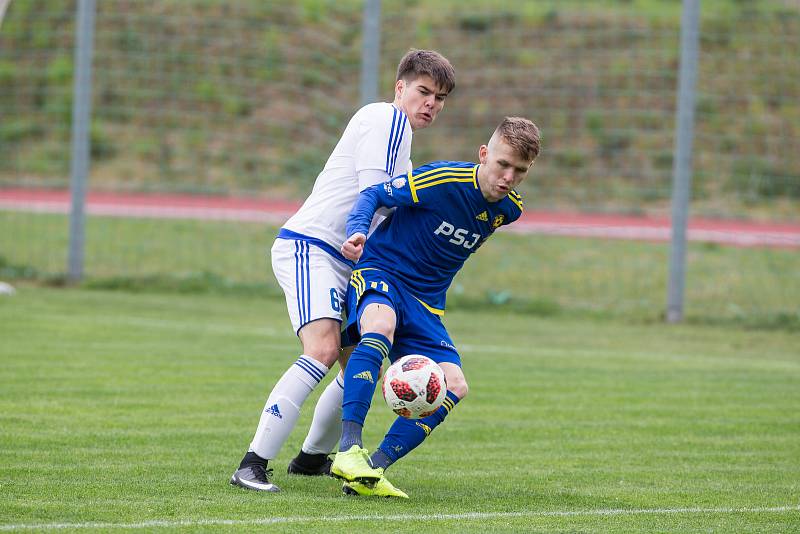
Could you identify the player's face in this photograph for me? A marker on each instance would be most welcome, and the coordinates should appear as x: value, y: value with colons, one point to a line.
x: 501, y: 170
x: 421, y: 100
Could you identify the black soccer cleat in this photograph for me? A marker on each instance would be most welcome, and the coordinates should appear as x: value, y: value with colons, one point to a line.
x: 310, y: 465
x: 254, y: 477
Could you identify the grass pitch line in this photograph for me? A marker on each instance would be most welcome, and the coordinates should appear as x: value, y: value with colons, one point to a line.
x: 398, y: 517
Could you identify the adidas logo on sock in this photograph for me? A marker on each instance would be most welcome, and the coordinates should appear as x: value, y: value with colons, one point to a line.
x: 274, y: 410
x: 365, y: 375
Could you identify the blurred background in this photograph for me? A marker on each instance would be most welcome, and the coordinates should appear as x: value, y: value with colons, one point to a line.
x: 207, y: 100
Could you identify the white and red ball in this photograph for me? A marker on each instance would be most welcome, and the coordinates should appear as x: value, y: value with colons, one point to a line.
x: 414, y: 386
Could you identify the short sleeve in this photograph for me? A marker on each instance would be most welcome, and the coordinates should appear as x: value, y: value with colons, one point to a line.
x: 384, y: 140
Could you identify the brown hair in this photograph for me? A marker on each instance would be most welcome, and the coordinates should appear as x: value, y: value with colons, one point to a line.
x: 418, y: 63
x: 523, y: 136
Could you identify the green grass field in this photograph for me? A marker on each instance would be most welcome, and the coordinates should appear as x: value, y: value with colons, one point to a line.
x: 546, y: 275
x: 123, y: 411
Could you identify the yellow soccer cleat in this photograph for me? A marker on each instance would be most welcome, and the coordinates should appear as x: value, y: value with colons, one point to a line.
x: 353, y: 466
x: 383, y: 488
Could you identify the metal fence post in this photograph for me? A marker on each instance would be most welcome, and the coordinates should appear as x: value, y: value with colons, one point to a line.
x: 81, y: 116
x: 3, y: 7
x: 370, y: 51
x: 682, y: 164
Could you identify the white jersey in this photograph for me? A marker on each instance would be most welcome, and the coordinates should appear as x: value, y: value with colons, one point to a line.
x: 378, y: 137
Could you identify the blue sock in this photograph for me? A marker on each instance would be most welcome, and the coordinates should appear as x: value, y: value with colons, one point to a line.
x: 351, y: 435
x: 406, y: 434
x: 360, y: 379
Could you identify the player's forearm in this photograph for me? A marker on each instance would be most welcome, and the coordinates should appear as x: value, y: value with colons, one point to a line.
x: 364, y: 209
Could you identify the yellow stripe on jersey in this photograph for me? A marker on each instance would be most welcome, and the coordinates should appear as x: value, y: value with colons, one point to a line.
x: 438, y: 176
x: 434, y: 311
x: 445, y: 180
x: 516, y: 199
x: 432, y: 174
x: 411, y: 178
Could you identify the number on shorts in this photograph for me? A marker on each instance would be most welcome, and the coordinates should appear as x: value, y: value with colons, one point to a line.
x: 384, y: 286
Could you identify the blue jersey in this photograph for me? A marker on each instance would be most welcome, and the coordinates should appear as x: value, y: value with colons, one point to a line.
x: 441, y: 218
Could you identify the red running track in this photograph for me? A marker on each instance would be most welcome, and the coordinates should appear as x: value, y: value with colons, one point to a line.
x: 730, y: 232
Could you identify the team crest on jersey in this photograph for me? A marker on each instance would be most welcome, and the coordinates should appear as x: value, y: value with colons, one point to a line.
x: 482, y: 216
x: 397, y: 183
x: 498, y: 221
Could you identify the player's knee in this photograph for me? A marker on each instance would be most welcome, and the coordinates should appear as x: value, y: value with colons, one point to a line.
x: 379, y: 325
x: 324, y: 351
x: 324, y: 356
x: 456, y: 381
x: 459, y: 390
x: 320, y: 340
x: 385, y: 329
x: 458, y: 386
x: 378, y: 319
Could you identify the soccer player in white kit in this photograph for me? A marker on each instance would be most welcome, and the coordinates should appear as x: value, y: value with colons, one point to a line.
x: 308, y: 264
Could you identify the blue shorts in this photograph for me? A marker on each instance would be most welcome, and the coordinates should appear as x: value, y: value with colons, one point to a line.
x: 418, y: 331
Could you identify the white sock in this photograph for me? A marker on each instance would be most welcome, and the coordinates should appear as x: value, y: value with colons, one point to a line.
x: 326, y: 427
x: 283, y: 405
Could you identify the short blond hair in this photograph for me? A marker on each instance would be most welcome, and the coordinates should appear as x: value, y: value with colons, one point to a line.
x: 522, y: 135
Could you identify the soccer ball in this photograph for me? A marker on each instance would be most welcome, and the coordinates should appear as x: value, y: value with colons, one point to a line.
x: 414, y: 386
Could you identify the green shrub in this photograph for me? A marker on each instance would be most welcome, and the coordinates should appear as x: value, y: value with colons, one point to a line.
x: 16, y: 130
x: 754, y: 177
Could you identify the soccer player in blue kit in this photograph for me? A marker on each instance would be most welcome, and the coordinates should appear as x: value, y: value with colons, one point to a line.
x: 374, y: 147
x: 396, y: 296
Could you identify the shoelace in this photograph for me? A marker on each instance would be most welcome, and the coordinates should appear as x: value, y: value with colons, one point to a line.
x: 262, y: 474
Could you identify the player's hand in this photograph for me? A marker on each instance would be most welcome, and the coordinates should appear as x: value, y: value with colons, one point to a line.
x: 354, y: 246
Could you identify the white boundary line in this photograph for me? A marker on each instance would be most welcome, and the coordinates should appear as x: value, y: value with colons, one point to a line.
x: 398, y: 517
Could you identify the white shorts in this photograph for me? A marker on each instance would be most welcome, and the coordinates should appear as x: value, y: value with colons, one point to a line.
x: 314, y: 282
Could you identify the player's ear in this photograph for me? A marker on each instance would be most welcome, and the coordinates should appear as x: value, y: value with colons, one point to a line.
x: 399, y: 87
x: 483, y: 152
